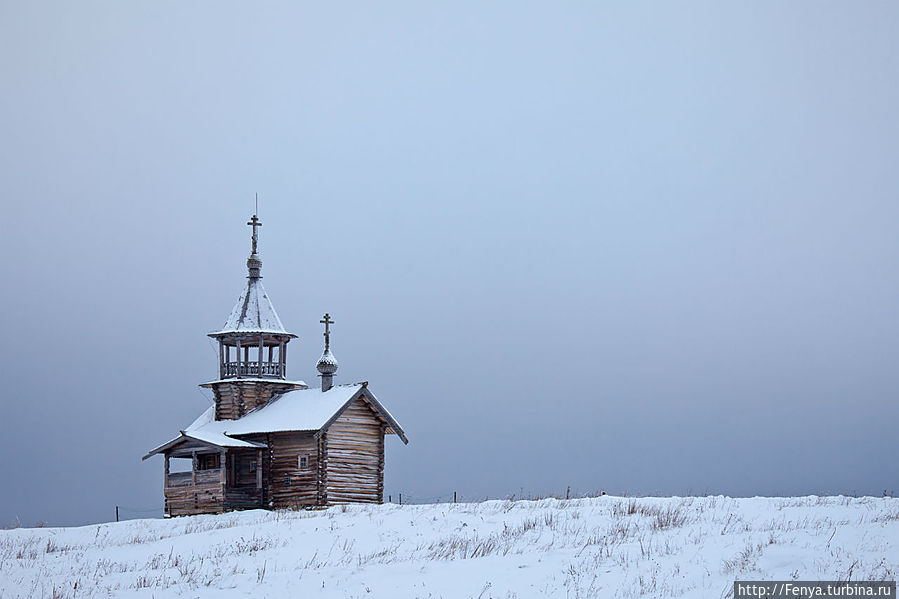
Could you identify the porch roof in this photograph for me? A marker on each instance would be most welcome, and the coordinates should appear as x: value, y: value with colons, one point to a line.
x: 198, y: 432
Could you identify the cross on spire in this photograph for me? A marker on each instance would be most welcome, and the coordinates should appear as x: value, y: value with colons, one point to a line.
x: 254, y: 222
x: 327, y: 322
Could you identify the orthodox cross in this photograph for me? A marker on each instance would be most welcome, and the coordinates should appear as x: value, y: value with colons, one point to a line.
x: 254, y: 222
x: 327, y: 322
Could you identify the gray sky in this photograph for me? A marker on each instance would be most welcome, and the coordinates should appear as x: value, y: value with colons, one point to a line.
x: 645, y: 248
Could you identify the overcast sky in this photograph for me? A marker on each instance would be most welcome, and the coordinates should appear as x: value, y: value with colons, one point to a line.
x: 640, y: 248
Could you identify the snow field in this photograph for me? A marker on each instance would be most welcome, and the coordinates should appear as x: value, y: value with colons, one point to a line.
x: 594, y: 547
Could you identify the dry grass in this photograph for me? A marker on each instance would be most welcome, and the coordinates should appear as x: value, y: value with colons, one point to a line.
x: 626, y: 535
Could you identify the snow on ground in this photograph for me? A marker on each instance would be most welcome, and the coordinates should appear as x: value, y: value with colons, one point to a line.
x: 597, y: 547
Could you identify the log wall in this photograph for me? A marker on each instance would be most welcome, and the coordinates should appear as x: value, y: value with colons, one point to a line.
x: 242, y: 498
x: 355, y: 456
x: 291, y: 485
x: 234, y: 398
x: 344, y: 463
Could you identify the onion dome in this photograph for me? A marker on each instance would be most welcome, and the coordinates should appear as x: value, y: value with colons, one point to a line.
x: 327, y: 364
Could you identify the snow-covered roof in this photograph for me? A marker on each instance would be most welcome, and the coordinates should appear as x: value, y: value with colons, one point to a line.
x: 305, y: 410
x: 220, y: 440
x: 299, y: 410
x: 209, y: 436
x: 253, y: 313
x: 200, y: 430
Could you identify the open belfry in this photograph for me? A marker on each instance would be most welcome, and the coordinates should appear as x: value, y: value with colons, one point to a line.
x: 270, y: 442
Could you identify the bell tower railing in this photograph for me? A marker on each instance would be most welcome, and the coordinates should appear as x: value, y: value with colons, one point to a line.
x: 264, y: 357
x: 253, y: 368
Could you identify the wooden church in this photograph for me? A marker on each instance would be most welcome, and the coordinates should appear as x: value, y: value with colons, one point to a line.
x: 269, y: 442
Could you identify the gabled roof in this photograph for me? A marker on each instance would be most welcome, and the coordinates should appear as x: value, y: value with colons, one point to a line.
x: 392, y: 425
x: 253, y: 313
x: 310, y: 410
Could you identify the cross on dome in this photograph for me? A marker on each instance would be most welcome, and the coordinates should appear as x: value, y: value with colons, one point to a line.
x: 327, y: 364
x: 327, y: 322
x: 254, y: 222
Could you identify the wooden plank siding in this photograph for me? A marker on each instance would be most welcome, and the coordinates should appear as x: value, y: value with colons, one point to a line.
x: 291, y: 485
x: 204, y: 497
x: 355, y: 456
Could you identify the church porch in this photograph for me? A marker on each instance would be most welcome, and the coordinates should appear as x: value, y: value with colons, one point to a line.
x: 207, y: 479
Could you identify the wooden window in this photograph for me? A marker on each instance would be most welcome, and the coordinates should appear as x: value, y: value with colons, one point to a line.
x: 302, y: 461
x: 253, y: 466
x: 208, y: 461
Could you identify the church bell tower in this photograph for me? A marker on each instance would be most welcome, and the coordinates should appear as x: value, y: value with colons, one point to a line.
x: 252, y: 348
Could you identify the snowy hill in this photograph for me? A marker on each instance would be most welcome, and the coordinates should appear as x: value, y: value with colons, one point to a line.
x: 605, y: 546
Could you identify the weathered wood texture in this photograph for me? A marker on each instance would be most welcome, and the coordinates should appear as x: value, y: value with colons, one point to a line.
x: 355, y: 463
x: 292, y: 485
x: 205, y: 497
x: 234, y: 398
x: 183, y: 479
x: 243, y: 489
x: 321, y: 490
x: 188, y: 447
x: 215, y: 490
x: 344, y: 463
x: 237, y: 498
